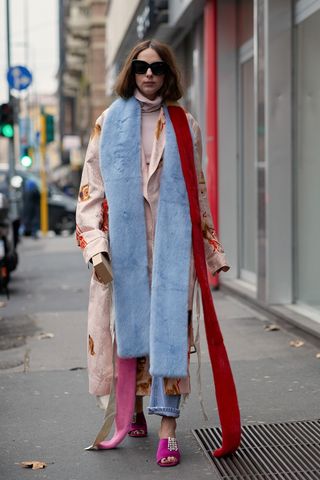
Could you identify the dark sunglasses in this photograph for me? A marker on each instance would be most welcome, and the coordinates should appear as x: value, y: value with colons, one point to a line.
x: 157, y: 68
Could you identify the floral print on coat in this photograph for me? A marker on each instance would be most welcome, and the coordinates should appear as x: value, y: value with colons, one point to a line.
x: 92, y: 236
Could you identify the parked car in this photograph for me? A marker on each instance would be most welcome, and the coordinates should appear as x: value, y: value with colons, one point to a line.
x: 61, y: 207
x: 62, y: 210
x: 8, y: 244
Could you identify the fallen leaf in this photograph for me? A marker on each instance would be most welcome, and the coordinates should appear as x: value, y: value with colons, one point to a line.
x: 45, y: 335
x: 3, y: 304
x: 34, y: 464
x: 296, y: 343
x: 318, y: 355
x: 271, y: 328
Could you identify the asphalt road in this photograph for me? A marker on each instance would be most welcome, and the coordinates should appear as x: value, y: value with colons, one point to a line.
x: 46, y: 413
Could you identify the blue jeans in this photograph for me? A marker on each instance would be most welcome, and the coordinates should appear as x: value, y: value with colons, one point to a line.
x: 160, y: 403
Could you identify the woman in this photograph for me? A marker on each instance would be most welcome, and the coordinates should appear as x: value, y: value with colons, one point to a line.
x: 138, y: 204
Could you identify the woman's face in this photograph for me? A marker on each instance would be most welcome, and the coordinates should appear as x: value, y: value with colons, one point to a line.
x: 148, y: 83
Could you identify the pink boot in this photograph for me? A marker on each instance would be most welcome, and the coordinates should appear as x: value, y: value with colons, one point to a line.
x: 125, y: 401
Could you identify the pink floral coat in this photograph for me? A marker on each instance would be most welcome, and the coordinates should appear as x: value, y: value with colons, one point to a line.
x: 92, y: 235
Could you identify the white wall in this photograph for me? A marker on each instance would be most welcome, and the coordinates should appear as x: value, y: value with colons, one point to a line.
x: 119, y: 18
x: 228, y: 165
x: 278, y: 111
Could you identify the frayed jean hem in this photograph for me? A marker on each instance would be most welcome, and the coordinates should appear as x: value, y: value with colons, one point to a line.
x: 160, y: 403
x: 164, y: 411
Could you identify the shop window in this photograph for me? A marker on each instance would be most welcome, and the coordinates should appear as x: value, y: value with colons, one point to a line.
x: 245, y: 21
x: 307, y: 162
x: 248, y: 202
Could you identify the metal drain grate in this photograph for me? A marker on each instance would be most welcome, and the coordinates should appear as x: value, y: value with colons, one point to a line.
x: 279, y: 451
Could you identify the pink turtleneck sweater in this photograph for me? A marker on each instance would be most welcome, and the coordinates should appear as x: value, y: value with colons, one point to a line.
x: 150, y: 114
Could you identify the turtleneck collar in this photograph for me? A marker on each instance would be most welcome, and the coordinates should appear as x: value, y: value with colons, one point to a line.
x: 148, y: 105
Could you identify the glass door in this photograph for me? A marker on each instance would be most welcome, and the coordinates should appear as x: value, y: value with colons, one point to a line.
x: 307, y: 162
x: 247, y: 172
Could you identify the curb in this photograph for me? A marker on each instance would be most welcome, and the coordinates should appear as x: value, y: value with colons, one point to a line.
x: 277, y: 313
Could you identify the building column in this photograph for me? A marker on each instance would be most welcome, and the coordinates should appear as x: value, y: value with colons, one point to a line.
x: 273, y: 148
x: 211, y: 115
x: 228, y: 153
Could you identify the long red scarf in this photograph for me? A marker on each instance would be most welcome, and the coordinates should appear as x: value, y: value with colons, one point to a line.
x: 224, y: 384
x: 226, y: 394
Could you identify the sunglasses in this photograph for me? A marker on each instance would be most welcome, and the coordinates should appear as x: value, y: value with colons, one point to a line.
x: 157, y: 68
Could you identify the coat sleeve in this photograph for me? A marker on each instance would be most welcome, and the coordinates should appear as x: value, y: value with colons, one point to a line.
x: 92, y: 208
x: 215, y: 256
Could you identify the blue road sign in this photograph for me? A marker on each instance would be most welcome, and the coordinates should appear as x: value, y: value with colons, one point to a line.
x: 19, y: 77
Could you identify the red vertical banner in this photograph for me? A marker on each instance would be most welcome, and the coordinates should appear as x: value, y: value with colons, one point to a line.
x: 211, y: 100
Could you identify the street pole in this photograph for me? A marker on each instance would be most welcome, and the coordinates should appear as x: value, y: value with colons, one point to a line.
x: 13, y: 198
x: 11, y: 152
x: 44, y: 222
x: 61, y: 71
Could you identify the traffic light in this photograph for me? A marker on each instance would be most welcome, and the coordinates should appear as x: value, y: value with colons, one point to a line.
x: 49, y: 128
x: 46, y: 128
x: 26, y: 156
x: 6, y: 120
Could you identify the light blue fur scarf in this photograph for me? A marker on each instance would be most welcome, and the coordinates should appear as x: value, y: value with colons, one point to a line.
x: 155, y: 322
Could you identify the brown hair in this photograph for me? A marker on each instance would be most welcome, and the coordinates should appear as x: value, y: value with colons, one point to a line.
x: 171, y: 88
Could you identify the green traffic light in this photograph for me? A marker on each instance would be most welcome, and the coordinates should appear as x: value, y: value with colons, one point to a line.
x: 49, y: 128
x: 26, y: 161
x: 7, y: 130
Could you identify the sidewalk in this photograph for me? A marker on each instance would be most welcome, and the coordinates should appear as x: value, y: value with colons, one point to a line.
x: 46, y: 413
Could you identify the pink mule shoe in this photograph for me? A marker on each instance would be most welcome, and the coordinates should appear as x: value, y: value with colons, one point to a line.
x: 168, y: 447
x: 138, y: 428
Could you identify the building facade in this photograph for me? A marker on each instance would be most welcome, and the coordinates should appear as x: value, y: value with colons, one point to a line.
x: 82, y: 71
x: 251, y: 78
x: 269, y: 91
